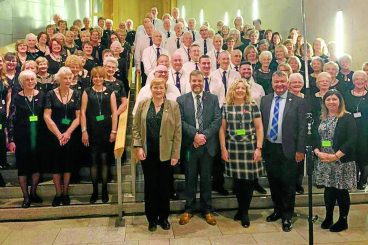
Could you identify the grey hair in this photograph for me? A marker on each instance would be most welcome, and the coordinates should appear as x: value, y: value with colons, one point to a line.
x: 360, y: 72
x: 62, y: 72
x: 24, y: 74
x: 110, y: 60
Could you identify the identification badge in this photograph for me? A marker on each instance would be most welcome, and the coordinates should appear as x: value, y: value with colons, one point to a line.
x: 357, y: 114
x: 3, y: 102
x: 100, y: 118
x: 240, y: 132
x: 326, y: 143
x: 66, y: 121
x: 33, y: 118
x: 1, y: 126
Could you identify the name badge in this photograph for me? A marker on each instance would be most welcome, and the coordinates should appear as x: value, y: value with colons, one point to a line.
x: 240, y: 132
x: 326, y: 143
x: 357, y: 114
x: 66, y: 121
x: 3, y: 102
x: 100, y: 118
x: 33, y: 118
x: 1, y: 126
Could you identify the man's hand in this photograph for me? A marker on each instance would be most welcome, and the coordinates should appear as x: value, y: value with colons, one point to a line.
x: 299, y: 156
x: 200, y: 139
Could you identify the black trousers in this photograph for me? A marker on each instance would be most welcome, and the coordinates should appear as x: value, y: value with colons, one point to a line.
x: 3, y: 159
x: 199, y: 162
x: 143, y: 75
x: 300, y: 173
x: 156, y: 188
x: 218, y: 178
x: 281, y: 173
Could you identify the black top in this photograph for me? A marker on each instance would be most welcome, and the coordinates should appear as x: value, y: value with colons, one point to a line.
x: 90, y: 64
x: 81, y: 85
x: 45, y: 84
x: 264, y: 79
x: 14, y: 84
x: 344, y: 138
x: 63, y: 113
x: 3, y: 96
x: 35, y: 55
x: 130, y: 37
x: 54, y: 65
x: 118, y: 87
x: 153, y: 126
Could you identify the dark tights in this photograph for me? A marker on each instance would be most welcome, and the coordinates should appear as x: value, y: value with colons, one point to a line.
x: 342, y: 197
x: 99, y: 160
x: 244, y: 192
x: 24, y: 186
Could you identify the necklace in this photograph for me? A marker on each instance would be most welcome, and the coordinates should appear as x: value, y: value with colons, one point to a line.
x: 356, y: 94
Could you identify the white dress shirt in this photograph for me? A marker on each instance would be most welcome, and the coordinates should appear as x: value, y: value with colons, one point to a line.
x: 256, y: 91
x: 231, y: 75
x: 149, y: 57
x: 196, y: 35
x: 172, y: 93
x: 189, y: 66
x: 183, y: 51
x: 184, y: 80
x: 171, y: 44
x: 213, y: 57
x: 158, y: 24
x: 209, y: 44
x: 142, y: 43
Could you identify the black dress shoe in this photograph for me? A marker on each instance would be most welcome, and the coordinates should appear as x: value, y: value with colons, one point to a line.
x: 237, y: 216
x: 165, y: 224
x: 340, y: 225
x: 299, y: 189
x: 65, y: 200
x: 286, y: 225
x: 35, y: 198
x: 93, y: 198
x: 361, y: 187
x: 258, y: 188
x: 326, y: 224
x: 174, y: 196
x: 26, y: 203
x: 152, y: 227
x: 222, y: 191
x: 105, y: 197
x: 57, y: 201
x: 245, y: 221
x: 273, y: 217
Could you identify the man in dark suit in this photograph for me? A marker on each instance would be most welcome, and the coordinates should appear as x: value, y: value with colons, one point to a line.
x: 201, y: 120
x: 283, y: 116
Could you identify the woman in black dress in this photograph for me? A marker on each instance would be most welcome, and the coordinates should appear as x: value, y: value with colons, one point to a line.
x: 317, y: 67
x: 336, y: 82
x: 55, y: 58
x: 357, y: 104
x: 25, y: 127
x: 5, y: 97
x: 99, y: 125
x: 11, y: 72
x: 45, y: 80
x: 79, y: 82
x: 32, y: 52
x: 62, y: 110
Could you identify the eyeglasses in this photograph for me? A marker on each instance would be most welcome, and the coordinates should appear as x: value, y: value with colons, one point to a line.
x: 162, y: 72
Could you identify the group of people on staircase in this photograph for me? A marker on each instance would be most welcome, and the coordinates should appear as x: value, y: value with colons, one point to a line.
x: 230, y: 102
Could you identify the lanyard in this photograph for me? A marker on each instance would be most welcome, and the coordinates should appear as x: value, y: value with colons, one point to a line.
x: 99, y: 101
x: 27, y: 102
x: 66, y: 102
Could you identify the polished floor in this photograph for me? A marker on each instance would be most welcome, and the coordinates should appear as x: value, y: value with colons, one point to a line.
x: 102, y: 231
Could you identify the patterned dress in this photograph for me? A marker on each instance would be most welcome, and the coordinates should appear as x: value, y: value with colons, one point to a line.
x: 241, y: 141
x: 335, y: 174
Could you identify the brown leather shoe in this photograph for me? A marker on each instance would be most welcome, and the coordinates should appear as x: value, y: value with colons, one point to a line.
x: 185, y: 218
x: 210, y: 219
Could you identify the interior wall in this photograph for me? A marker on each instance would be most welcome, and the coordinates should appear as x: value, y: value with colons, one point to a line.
x: 20, y: 17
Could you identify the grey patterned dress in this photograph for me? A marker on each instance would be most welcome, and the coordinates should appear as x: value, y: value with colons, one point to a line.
x: 241, y: 146
x: 335, y: 174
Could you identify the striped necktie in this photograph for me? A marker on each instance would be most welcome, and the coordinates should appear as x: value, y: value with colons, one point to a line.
x: 224, y: 80
x: 199, y: 114
x: 177, y: 83
x: 275, y: 120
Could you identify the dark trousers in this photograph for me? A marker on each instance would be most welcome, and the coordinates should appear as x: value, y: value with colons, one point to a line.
x: 331, y: 195
x: 281, y: 174
x: 156, y: 188
x: 243, y: 189
x: 3, y: 161
x: 143, y: 75
x: 198, y: 162
x: 218, y: 178
x: 300, y: 173
x: 362, y: 172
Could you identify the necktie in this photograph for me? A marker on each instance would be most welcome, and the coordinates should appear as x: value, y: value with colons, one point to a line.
x: 199, y: 114
x: 224, y: 80
x: 153, y: 21
x: 150, y: 43
x: 205, y: 47
x: 176, y: 21
x: 206, y: 85
x: 168, y: 34
x: 177, y: 83
x: 158, y: 52
x: 177, y: 43
x: 217, y: 54
x: 275, y: 120
x: 193, y: 36
x: 196, y: 66
x: 217, y: 64
x: 236, y: 68
x: 188, y: 55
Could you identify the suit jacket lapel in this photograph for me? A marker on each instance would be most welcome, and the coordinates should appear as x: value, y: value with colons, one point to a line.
x: 268, y: 103
x: 191, y: 109
x: 287, y: 105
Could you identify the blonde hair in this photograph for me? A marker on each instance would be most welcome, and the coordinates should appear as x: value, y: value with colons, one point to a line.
x: 73, y: 60
x: 23, y: 76
x: 63, y: 71
x: 231, y: 92
x: 158, y: 81
x: 29, y: 62
x: 3, y: 77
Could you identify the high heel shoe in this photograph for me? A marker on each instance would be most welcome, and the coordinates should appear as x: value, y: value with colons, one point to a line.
x: 93, y: 198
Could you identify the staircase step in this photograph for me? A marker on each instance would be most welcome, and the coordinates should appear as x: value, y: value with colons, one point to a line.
x: 85, y: 209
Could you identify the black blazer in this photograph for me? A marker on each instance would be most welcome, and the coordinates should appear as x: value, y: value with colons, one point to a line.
x: 211, y: 120
x: 344, y: 139
x: 293, y: 123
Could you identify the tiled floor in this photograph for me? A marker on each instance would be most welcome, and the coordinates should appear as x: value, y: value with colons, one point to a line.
x: 197, y: 232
